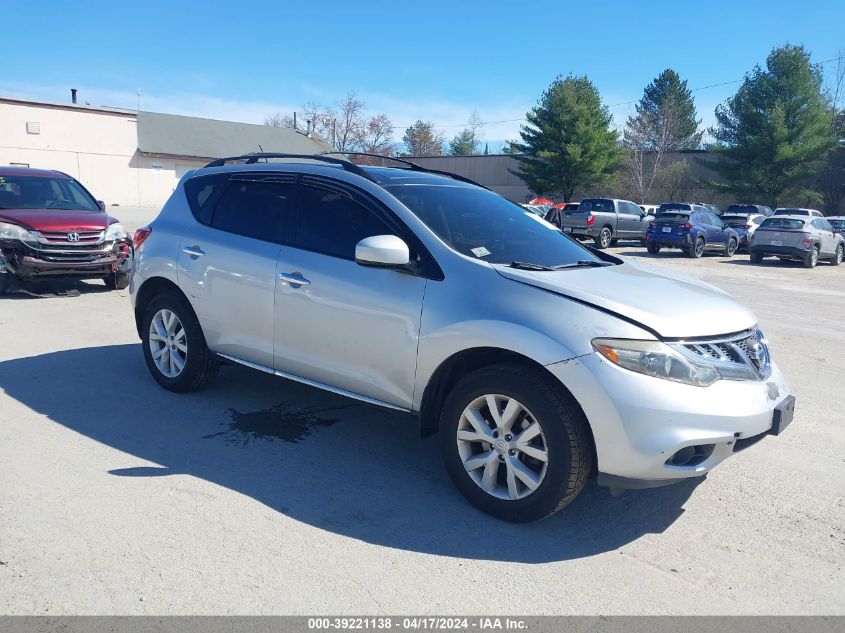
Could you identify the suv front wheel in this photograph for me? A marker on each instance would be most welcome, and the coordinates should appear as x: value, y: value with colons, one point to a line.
x: 514, y: 443
x: 174, y: 345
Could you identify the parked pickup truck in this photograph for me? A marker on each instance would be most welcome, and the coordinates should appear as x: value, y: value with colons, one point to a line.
x: 605, y: 220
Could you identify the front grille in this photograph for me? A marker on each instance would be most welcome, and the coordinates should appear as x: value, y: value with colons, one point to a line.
x: 742, y: 356
x: 64, y: 237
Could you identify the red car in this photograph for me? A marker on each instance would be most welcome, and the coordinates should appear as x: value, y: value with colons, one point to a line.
x: 51, y: 226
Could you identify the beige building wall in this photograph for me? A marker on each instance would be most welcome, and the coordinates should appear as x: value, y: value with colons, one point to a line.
x: 99, y: 148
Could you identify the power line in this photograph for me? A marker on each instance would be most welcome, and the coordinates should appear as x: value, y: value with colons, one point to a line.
x: 614, y: 105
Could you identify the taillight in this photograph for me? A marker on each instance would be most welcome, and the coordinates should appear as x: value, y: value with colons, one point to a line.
x: 807, y: 241
x: 651, y: 224
x: 140, y: 236
x: 591, y: 220
x: 686, y: 226
x: 749, y: 226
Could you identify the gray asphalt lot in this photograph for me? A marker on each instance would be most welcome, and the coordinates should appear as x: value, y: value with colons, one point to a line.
x: 259, y: 495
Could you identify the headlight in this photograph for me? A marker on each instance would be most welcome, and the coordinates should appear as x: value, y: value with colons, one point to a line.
x: 116, y: 232
x: 656, y: 359
x: 15, y: 232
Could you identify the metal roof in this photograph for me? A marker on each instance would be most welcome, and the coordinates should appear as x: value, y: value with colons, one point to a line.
x: 177, y: 135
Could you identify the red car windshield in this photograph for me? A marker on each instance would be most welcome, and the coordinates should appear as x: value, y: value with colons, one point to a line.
x: 40, y: 192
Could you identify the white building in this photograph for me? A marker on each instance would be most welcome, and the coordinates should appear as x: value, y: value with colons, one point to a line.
x: 130, y: 158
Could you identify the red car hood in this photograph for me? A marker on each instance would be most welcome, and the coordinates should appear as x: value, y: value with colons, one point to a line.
x: 56, y: 219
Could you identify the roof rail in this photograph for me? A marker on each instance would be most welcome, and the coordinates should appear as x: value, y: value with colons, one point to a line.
x: 411, y: 166
x: 251, y: 159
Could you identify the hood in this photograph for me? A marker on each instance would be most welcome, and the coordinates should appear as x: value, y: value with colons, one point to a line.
x: 56, y: 219
x: 668, y: 303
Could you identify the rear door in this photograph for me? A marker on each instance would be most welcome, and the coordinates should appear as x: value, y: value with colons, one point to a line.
x: 352, y: 327
x: 631, y: 220
x: 227, y: 261
x: 827, y: 236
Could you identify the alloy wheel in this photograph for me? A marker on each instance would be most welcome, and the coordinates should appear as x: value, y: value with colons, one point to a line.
x: 814, y: 256
x: 168, y: 343
x: 699, y: 248
x: 502, y: 447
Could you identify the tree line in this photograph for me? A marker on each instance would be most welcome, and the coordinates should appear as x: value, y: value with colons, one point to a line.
x: 779, y: 140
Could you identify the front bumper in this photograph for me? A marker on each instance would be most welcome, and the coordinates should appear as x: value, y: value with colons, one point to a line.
x: 25, y: 264
x: 639, y: 423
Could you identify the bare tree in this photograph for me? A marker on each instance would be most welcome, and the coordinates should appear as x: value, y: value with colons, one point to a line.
x: 377, y: 136
x: 676, y: 181
x: 648, y: 137
x: 278, y: 120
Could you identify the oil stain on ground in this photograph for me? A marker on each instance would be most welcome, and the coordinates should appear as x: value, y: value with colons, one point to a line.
x: 279, y: 422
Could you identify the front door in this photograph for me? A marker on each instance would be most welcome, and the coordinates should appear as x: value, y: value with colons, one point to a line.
x: 227, y: 266
x: 338, y: 323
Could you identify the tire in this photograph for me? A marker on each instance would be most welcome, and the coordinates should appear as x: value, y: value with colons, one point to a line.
x: 117, y: 281
x: 730, y: 248
x: 565, y: 436
x: 643, y: 242
x: 696, y: 249
x: 835, y: 260
x: 199, y: 364
x: 653, y: 248
x: 4, y: 282
x: 812, y: 258
x: 756, y: 258
x: 614, y: 243
x: 604, y: 238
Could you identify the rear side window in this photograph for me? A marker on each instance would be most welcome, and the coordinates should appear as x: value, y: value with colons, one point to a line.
x: 199, y: 192
x: 782, y: 223
x: 596, y: 204
x: 254, y: 208
x: 331, y: 222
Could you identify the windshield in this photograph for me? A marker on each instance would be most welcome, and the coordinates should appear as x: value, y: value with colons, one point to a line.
x: 838, y: 224
x: 673, y: 218
x: 782, y: 223
x: 38, y: 192
x: 741, y: 208
x: 673, y: 206
x: 484, y: 225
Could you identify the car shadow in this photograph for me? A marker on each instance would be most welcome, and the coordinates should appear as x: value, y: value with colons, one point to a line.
x: 321, y: 459
x: 52, y: 288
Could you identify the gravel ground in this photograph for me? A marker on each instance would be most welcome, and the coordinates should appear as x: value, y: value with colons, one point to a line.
x: 263, y: 496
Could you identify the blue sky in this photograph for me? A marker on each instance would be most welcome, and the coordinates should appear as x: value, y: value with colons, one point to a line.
x: 428, y: 60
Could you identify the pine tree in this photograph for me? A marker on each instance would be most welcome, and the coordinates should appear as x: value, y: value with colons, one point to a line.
x: 773, y: 135
x: 568, y: 143
x: 421, y: 139
x: 464, y: 144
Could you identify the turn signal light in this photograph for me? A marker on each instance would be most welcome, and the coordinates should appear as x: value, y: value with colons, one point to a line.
x: 591, y: 220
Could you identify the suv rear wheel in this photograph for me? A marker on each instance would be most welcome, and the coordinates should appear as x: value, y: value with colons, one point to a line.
x: 516, y: 446
x: 812, y: 258
x: 4, y: 282
x: 696, y: 249
x: 653, y: 248
x: 730, y: 247
x: 838, y: 255
x: 174, y: 345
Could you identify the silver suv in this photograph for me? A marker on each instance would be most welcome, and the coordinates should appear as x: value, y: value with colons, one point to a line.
x: 538, y: 360
x: 805, y: 238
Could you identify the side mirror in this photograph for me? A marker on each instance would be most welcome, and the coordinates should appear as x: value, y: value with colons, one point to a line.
x: 102, y: 205
x: 382, y: 250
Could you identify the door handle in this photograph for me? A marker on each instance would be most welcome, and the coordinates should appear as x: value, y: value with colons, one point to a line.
x: 194, y: 251
x: 294, y: 279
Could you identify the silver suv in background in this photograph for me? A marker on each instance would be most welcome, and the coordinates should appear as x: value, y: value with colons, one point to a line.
x: 799, y: 237
x: 535, y: 358
x: 605, y: 220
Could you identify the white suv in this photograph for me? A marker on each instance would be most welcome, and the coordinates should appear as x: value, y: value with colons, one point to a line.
x: 537, y: 360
